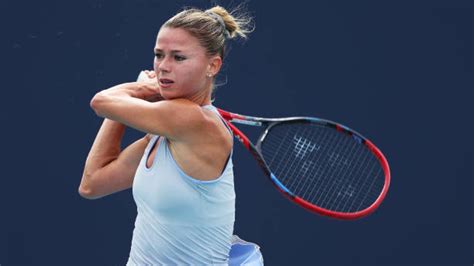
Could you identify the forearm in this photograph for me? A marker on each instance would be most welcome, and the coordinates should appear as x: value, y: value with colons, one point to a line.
x: 106, y: 147
x: 121, y: 96
x: 121, y: 90
x: 114, y: 95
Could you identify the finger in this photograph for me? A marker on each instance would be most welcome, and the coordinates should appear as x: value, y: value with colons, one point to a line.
x: 151, y: 74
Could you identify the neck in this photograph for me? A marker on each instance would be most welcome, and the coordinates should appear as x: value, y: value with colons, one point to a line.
x: 202, y: 97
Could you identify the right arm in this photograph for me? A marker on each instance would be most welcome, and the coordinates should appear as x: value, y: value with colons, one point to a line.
x: 107, y: 169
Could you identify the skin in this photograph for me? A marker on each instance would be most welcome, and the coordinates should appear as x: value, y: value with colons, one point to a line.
x: 198, y: 140
x: 180, y: 57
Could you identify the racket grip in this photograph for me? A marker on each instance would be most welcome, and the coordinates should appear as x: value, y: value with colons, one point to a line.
x: 142, y: 76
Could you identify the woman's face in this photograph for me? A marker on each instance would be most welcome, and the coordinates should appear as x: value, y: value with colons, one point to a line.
x: 181, y: 64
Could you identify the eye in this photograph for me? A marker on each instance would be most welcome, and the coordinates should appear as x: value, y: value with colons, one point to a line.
x: 158, y: 55
x: 179, y: 58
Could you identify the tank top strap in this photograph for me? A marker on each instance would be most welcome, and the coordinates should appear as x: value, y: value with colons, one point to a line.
x: 214, y: 109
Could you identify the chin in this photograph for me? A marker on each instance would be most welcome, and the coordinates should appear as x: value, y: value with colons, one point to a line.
x: 170, y: 96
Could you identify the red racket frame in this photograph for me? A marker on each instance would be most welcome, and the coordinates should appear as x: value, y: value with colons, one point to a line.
x: 258, y: 121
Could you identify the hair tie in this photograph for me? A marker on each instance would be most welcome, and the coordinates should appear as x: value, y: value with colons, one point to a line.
x: 221, y: 22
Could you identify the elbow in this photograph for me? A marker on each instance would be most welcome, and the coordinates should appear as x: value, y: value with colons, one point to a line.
x: 87, y: 192
x: 96, y: 103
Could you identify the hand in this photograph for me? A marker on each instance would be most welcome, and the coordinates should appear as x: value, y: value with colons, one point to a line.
x: 149, y: 90
x: 150, y: 73
x: 147, y: 76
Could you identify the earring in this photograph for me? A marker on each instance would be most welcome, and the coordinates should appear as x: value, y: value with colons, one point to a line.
x: 209, y: 75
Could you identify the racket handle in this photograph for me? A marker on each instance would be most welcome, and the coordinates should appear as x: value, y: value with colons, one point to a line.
x: 142, y: 77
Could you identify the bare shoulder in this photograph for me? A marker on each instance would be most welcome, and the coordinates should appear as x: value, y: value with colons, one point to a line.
x: 185, y: 118
x: 216, y: 135
x: 181, y: 106
x: 214, y: 122
x: 203, y: 154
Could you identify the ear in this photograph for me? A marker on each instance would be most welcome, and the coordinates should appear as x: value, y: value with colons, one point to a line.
x: 215, y: 64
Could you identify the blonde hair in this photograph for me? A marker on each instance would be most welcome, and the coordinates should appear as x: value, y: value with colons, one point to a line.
x: 213, y: 26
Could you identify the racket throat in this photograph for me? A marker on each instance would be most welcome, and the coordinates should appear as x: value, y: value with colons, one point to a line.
x: 246, y: 122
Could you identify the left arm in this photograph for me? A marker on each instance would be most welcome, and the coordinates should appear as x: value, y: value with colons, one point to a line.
x: 139, y: 105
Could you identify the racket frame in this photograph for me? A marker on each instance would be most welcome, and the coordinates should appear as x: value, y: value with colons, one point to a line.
x: 268, y: 123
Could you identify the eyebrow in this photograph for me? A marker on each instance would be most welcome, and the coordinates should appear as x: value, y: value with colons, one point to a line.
x: 172, y: 51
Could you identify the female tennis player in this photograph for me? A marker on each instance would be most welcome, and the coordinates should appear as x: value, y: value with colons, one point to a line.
x: 181, y: 171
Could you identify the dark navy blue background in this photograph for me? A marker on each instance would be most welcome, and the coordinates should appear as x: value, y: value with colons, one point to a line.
x: 399, y: 72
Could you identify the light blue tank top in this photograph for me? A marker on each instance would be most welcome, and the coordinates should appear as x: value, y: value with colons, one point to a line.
x: 181, y: 220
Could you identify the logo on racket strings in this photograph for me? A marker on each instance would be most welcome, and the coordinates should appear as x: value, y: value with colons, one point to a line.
x: 303, y: 147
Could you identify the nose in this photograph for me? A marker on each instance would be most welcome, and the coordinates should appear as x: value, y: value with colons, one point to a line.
x: 163, y: 65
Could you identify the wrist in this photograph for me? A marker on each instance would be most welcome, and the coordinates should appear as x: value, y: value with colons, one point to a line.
x: 124, y: 89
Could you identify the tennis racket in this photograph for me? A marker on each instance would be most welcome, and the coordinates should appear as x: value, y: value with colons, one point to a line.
x: 321, y: 165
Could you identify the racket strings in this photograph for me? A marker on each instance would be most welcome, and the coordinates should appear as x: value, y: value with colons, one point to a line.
x: 301, y: 149
x: 309, y: 188
x: 346, y: 173
x: 323, y: 166
x: 316, y: 175
x: 323, y: 195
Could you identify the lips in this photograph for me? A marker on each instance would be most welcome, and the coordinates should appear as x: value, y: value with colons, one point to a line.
x: 165, y: 83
